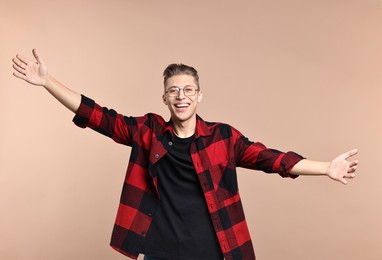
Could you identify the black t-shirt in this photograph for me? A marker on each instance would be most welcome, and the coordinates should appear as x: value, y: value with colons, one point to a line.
x: 181, y: 227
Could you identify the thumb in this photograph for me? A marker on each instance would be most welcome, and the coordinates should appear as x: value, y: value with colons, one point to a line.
x: 350, y: 153
x: 37, y: 57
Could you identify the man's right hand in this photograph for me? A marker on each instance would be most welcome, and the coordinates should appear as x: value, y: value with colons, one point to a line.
x: 36, y: 73
x: 33, y: 72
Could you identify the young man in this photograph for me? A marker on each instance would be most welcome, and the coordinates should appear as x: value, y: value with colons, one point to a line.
x: 180, y: 197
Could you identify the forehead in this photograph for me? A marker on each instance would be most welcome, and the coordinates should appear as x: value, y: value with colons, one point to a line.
x: 180, y: 81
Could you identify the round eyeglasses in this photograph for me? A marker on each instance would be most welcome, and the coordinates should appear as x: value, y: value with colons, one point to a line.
x: 187, y: 91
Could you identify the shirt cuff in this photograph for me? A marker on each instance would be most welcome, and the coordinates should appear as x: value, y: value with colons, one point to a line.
x: 290, y: 159
x: 84, y: 112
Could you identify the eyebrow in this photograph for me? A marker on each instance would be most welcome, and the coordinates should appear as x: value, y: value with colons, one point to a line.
x: 183, y: 87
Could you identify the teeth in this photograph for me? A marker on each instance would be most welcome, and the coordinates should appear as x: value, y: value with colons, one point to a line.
x: 182, y: 105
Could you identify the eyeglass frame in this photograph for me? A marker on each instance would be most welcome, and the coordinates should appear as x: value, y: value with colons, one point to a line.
x: 184, y: 93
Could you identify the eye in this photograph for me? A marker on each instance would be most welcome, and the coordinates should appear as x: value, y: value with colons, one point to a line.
x: 189, y: 90
x: 172, y: 90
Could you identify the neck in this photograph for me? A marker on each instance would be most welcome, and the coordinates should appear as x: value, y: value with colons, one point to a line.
x: 184, y: 129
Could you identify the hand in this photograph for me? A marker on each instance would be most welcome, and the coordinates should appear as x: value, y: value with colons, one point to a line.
x: 33, y: 72
x: 341, y: 169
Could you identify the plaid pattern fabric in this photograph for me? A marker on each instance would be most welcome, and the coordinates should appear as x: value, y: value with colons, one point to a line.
x: 216, y: 152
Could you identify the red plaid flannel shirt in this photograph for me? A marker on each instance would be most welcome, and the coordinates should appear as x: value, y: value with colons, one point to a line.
x: 216, y: 152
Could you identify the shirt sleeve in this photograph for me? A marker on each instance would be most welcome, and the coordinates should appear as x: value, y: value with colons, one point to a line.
x: 105, y: 121
x: 259, y: 157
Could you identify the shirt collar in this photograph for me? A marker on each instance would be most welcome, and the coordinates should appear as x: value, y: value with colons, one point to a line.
x: 202, y: 128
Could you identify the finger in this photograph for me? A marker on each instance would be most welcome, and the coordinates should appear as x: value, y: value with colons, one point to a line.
x: 19, y: 69
x: 343, y: 181
x: 353, y: 163
x: 18, y: 63
x: 352, y: 169
x: 22, y: 59
x: 19, y: 75
x: 350, y: 176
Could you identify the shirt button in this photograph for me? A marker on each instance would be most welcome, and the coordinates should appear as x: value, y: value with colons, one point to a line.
x: 156, y: 156
x: 170, y: 143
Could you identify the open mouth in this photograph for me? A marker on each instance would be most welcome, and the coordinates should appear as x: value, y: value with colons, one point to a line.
x: 182, y: 105
x: 180, y: 108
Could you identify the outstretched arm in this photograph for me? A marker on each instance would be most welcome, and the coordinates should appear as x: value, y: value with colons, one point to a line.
x: 36, y: 73
x: 339, y: 169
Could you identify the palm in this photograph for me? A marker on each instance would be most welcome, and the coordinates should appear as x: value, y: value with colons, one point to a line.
x: 34, y: 72
x: 340, y: 168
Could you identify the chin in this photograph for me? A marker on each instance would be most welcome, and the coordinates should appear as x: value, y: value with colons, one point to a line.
x: 181, y: 118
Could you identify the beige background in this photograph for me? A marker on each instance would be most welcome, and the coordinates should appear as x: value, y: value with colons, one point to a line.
x: 302, y: 75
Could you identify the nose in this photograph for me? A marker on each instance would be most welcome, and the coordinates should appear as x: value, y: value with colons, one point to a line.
x: 181, y: 94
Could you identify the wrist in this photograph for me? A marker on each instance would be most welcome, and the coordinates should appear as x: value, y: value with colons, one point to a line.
x: 326, y: 168
x: 49, y: 82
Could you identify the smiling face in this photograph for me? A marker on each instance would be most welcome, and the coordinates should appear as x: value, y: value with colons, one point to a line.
x: 181, y: 106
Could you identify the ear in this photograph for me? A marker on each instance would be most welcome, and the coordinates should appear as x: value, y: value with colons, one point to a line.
x: 164, y: 99
x: 200, y: 96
